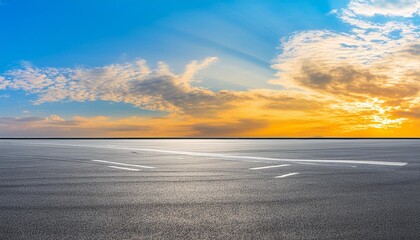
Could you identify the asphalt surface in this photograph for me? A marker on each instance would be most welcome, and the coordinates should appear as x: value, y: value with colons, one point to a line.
x: 210, y: 189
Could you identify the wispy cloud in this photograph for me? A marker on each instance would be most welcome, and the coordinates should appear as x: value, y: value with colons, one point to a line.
x: 403, y: 8
x: 3, y: 83
x: 134, y: 83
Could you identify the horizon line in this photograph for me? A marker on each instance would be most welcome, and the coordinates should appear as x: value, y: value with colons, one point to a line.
x: 209, y: 138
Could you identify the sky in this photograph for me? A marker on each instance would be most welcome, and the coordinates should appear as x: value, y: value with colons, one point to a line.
x: 210, y: 68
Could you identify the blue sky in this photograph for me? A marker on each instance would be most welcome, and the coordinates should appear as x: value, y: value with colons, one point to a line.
x: 63, y: 33
x: 243, y: 34
x: 240, y: 44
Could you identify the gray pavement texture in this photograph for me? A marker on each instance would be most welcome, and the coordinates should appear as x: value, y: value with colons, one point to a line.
x: 207, y: 189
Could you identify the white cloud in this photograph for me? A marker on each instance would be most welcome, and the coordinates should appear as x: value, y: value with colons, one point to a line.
x: 3, y: 83
x: 54, y: 118
x: 192, y: 68
x: 403, y: 8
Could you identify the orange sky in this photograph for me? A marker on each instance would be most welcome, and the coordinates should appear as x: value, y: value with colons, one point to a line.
x: 361, y: 82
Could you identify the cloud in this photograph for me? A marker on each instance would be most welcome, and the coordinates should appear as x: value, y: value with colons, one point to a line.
x: 134, y: 83
x: 240, y: 127
x: 403, y: 8
x: 349, y: 81
x: 56, y: 126
x: 3, y: 83
x: 411, y: 113
x: 375, y: 63
x: 54, y: 118
x: 17, y: 120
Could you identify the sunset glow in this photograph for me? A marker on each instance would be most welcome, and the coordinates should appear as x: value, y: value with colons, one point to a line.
x: 211, y: 69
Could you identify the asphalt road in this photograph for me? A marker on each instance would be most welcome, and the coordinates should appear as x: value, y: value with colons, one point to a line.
x: 210, y: 189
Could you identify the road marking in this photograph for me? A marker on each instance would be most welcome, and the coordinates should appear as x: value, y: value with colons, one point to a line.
x: 287, y: 175
x: 319, y: 164
x: 123, y: 168
x: 326, y: 164
x: 123, y: 164
x: 216, y: 155
x: 275, y: 166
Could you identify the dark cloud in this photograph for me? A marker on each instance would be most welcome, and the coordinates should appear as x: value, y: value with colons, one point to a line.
x: 193, y: 101
x: 412, y: 113
x: 242, y: 126
x: 15, y: 120
x: 293, y: 104
x: 350, y: 81
x: 126, y: 128
x: 412, y: 51
x: 65, y: 123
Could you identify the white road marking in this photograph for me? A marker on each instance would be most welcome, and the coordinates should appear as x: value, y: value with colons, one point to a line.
x: 216, y: 155
x: 319, y: 164
x: 325, y: 164
x: 123, y: 168
x: 287, y: 175
x: 123, y: 164
x: 276, y: 166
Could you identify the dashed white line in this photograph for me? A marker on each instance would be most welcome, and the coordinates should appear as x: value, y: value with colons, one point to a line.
x: 319, y: 164
x: 265, y: 167
x: 287, y: 175
x: 326, y: 164
x: 124, y: 168
x: 122, y: 164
